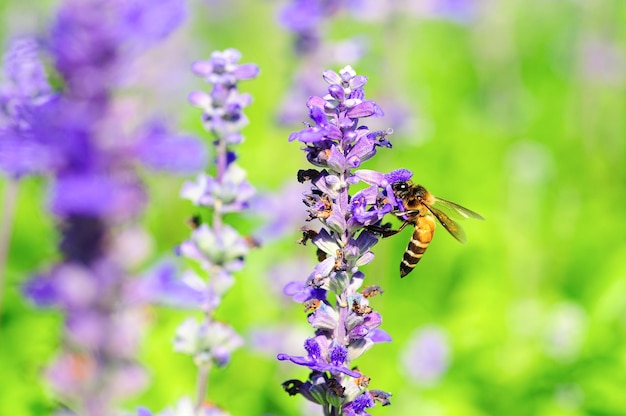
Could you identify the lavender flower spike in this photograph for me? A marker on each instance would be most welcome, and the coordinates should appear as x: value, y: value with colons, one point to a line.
x: 217, y: 248
x: 76, y: 137
x: 345, y: 324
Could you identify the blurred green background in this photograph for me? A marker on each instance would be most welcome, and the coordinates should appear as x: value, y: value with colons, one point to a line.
x: 517, y: 113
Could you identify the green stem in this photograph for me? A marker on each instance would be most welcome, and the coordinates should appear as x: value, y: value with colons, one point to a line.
x: 202, y: 383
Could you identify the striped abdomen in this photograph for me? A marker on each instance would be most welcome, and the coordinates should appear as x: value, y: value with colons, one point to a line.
x: 424, y: 230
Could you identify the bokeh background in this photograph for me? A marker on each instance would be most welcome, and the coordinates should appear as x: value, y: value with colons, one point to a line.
x: 513, y: 108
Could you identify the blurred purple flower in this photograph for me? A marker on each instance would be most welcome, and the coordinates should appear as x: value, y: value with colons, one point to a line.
x: 91, y: 41
x: 217, y: 248
x: 71, y: 373
x: 93, y: 163
x: 166, y: 285
x: 602, y: 60
x: 280, y: 212
x: 232, y: 193
x: 426, y: 356
x: 223, y: 68
x: 304, y: 18
x: 210, y: 248
x: 96, y: 195
x: 24, y: 88
x: 158, y: 148
x: 150, y: 21
x: 208, y: 341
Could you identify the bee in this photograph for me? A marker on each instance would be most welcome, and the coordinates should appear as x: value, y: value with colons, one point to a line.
x: 420, y: 206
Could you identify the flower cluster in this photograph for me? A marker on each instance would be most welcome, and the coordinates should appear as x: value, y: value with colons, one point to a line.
x: 75, y: 137
x: 345, y: 323
x: 216, y: 247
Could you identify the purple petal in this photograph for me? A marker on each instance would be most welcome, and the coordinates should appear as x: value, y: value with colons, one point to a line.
x: 337, y: 92
x: 202, y: 68
x: 358, y: 332
x: 200, y: 99
x: 246, y: 71
x: 379, y: 335
x: 331, y: 77
x: 306, y: 361
x: 373, y: 320
x: 364, y: 109
x: 371, y: 177
x: 358, y: 81
x: 336, y: 161
x: 316, y: 101
x: 293, y: 288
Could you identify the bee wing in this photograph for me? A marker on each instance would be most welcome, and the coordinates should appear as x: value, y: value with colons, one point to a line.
x: 449, y: 224
x: 462, y: 211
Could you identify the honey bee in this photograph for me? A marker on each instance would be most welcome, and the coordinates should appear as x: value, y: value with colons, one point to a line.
x: 420, y: 206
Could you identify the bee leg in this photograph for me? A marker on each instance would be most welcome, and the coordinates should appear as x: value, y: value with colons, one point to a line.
x: 385, y: 230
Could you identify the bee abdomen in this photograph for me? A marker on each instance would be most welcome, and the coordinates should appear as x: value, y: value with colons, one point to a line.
x: 412, y: 256
x: 416, y: 248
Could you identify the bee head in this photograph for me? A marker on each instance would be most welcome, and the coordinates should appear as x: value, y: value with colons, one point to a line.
x: 400, y: 187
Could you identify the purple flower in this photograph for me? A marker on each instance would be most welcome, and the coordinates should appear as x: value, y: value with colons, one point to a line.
x: 302, y: 292
x: 222, y: 68
x: 209, y: 341
x: 365, y: 207
x: 357, y: 406
x: 152, y: 20
x: 303, y: 17
x: 93, y: 162
x: 217, y: 248
x: 333, y: 362
x: 91, y: 41
x: 223, y: 111
x: 210, y: 248
x: 345, y: 324
x: 232, y: 193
